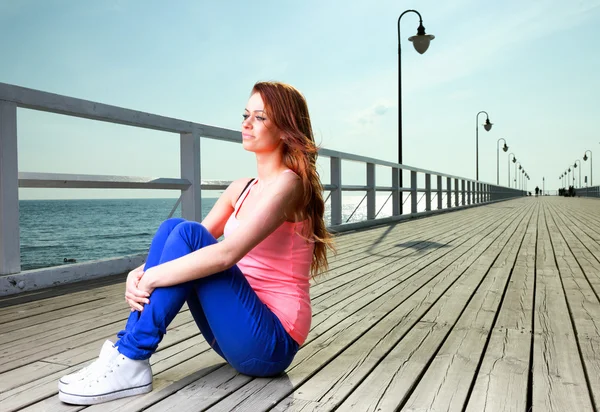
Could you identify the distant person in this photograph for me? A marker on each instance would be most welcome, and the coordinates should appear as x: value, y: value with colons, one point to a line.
x: 537, y: 191
x: 249, y: 293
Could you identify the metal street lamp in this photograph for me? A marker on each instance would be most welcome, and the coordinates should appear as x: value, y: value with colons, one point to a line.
x: 591, y: 170
x: 505, y: 148
x: 487, y: 126
x: 575, y: 166
x: 519, y: 163
x: 421, y: 42
x: 513, y: 160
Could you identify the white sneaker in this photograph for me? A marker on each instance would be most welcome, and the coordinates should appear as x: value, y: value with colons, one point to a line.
x: 114, y: 378
x: 108, y: 351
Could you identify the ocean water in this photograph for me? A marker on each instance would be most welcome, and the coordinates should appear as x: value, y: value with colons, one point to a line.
x: 86, y: 230
x: 52, y: 230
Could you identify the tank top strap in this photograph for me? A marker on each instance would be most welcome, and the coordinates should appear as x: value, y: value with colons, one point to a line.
x: 243, y: 196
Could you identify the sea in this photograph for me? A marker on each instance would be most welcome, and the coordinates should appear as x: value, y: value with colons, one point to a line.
x: 93, y: 229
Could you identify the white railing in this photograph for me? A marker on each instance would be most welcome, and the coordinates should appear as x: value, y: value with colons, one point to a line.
x: 593, y: 191
x: 450, y: 192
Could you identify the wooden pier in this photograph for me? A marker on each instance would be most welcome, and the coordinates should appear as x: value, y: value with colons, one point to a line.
x: 493, y: 308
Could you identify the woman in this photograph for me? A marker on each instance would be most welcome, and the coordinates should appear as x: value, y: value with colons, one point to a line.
x: 249, y: 294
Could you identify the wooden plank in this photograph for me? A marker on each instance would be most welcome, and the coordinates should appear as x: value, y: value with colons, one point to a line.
x: 326, y: 320
x: 355, y: 282
x: 558, y: 380
x: 77, y: 357
x: 51, y: 351
x: 448, y: 378
x: 582, y: 301
x: 587, y: 246
x: 252, y: 396
x: 64, y: 326
x: 389, y: 385
x: 501, y: 383
x: 182, y: 341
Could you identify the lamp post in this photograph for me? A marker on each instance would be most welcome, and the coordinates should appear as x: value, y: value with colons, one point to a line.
x: 591, y: 170
x: 543, y: 185
x: 519, y: 163
x: 505, y: 148
x: 421, y: 43
x: 569, y: 177
x: 487, y: 126
x: 514, y: 160
x: 575, y: 166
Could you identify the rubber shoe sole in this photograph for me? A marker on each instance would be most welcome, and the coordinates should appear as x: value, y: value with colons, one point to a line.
x: 93, y: 400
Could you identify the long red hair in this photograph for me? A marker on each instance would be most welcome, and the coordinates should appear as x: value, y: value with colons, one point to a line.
x: 286, y: 107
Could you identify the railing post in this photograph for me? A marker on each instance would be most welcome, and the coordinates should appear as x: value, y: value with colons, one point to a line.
x: 469, y: 191
x: 456, y: 204
x: 371, y: 193
x: 462, y: 187
x: 427, y: 192
x: 191, y: 199
x: 439, y: 192
x: 413, y: 191
x: 336, y: 192
x: 449, y: 192
x: 396, y: 193
x: 10, y: 247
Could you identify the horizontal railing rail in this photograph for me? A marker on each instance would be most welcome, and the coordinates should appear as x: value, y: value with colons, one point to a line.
x: 449, y: 191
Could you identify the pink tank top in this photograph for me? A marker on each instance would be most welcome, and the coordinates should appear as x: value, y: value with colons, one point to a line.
x: 278, y: 270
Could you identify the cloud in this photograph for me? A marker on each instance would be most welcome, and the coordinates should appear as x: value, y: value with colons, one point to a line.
x: 371, y: 115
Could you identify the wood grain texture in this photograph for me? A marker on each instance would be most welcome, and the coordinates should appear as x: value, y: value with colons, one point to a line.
x: 442, y: 313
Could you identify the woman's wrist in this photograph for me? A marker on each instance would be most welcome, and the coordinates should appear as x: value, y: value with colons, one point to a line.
x: 149, y: 279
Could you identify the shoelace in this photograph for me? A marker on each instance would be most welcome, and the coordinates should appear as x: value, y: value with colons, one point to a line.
x: 108, y: 368
x: 84, y: 372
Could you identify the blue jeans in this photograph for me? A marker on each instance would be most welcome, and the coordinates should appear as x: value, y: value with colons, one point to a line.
x: 233, y: 320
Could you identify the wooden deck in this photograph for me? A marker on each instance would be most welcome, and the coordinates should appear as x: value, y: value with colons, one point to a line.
x: 493, y: 308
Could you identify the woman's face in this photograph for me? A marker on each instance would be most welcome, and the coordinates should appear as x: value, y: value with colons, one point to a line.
x: 259, y: 135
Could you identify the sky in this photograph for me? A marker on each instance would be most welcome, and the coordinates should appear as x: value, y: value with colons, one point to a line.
x: 532, y: 66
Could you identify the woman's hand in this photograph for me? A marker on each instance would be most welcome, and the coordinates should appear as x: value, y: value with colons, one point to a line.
x: 135, y: 297
x: 146, y: 283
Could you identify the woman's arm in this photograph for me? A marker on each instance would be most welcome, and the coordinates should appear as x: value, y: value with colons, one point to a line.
x: 278, y: 202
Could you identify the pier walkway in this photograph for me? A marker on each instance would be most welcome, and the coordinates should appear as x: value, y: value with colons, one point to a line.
x: 492, y: 308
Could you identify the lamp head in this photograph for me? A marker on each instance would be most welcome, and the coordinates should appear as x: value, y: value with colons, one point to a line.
x: 514, y: 159
x: 569, y: 170
x: 505, y: 148
x: 584, y: 157
x: 487, y: 125
x: 520, y: 167
x: 575, y: 165
x: 421, y: 40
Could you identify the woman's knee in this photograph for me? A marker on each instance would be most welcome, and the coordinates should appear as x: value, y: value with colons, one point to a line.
x: 170, y: 224
x: 194, y: 233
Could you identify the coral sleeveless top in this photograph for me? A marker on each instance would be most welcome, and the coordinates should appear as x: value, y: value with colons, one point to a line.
x: 278, y: 270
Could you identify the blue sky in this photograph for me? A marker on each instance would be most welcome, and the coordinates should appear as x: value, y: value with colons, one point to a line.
x: 533, y: 66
